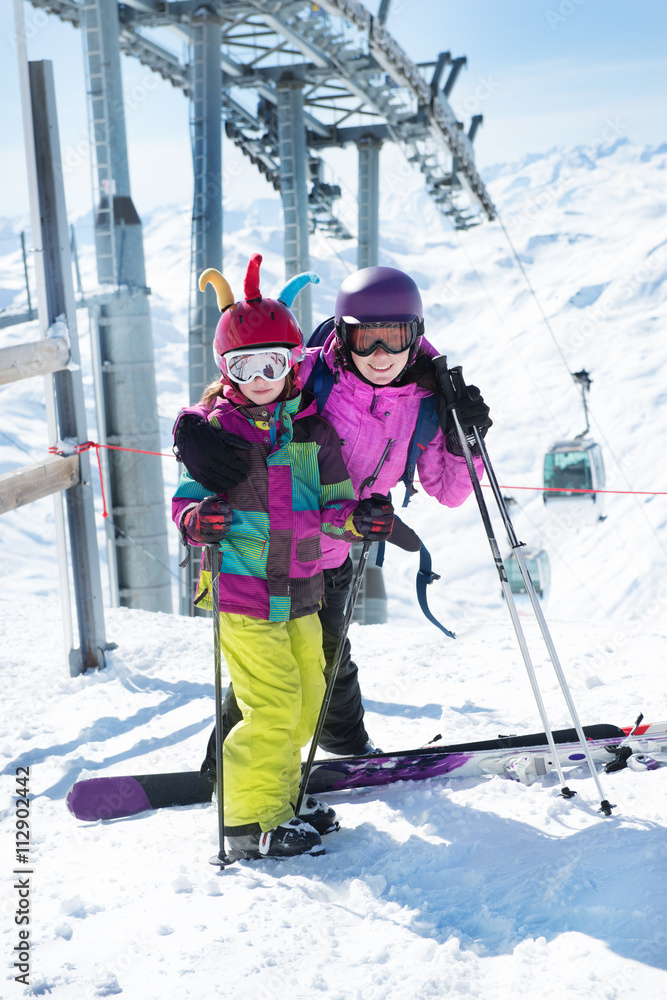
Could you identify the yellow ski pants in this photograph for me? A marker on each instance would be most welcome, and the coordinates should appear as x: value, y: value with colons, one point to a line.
x: 277, y: 669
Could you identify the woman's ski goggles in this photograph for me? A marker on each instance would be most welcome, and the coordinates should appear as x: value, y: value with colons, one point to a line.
x: 269, y: 363
x: 364, y: 338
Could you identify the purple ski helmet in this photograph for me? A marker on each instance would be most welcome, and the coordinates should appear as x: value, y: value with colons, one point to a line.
x: 374, y: 294
x: 379, y: 295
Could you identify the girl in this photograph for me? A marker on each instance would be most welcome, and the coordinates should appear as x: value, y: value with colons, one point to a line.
x: 282, y: 483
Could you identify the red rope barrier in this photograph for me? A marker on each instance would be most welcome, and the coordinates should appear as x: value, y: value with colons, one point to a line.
x: 559, y: 489
x: 87, y: 445
x: 105, y: 512
x: 137, y: 451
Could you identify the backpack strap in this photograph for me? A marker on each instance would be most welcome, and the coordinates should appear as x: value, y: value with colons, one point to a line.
x: 320, y: 382
x: 424, y: 577
x: 427, y: 425
x: 320, y: 334
x: 408, y: 540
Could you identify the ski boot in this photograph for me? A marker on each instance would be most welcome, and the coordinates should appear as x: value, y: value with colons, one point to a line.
x: 318, y: 814
x: 289, y: 839
x: 367, y: 750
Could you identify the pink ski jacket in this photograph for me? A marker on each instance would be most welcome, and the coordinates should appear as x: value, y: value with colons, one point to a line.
x: 366, y: 418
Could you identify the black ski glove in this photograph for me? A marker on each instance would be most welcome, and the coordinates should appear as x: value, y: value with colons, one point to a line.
x: 472, y: 412
x: 374, y: 517
x: 404, y: 537
x: 208, y: 522
x: 210, y: 454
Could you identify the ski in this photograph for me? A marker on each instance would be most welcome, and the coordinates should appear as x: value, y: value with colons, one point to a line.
x: 519, y: 758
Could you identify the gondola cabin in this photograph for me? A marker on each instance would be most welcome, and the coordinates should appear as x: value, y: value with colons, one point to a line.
x: 537, y: 564
x: 570, y: 469
x: 371, y: 606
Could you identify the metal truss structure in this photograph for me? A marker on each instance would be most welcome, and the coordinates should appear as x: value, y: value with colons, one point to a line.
x: 357, y: 83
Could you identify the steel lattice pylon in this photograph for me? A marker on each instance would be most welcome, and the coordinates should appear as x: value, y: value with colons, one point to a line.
x: 358, y: 82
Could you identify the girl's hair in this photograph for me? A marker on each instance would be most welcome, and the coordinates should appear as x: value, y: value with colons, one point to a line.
x: 217, y: 387
x: 421, y: 372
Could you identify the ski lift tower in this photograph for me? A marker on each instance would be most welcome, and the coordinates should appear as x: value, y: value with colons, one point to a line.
x: 122, y: 335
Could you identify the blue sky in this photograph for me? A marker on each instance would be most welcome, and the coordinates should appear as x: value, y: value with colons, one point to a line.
x: 543, y: 73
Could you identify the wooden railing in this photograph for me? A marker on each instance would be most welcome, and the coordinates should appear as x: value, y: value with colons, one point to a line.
x: 54, y: 472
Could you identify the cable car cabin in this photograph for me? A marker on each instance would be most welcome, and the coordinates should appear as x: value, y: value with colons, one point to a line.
x: 537, y: 564
x: 570, y: 467
x: 371, y: 606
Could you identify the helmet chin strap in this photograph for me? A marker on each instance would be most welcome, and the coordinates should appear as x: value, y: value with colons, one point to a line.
x: 297, y: 384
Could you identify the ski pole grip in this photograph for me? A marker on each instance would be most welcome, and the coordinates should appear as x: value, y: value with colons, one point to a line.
x: 445, y: 380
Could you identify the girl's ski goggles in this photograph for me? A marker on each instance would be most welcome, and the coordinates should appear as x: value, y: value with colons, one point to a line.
x: 269, y: 363
x: 364, y: 338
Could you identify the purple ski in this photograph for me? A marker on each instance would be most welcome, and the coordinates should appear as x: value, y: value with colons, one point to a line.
x: 523, y: 758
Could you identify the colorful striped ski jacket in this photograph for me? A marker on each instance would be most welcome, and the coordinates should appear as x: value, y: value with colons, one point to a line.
x: 297, y: 488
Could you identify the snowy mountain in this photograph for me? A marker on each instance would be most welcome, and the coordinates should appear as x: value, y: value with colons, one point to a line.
x: 450, y: 888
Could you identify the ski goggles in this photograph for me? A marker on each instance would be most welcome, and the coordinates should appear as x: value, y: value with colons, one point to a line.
x: 269, y: 363
x: 364, y: 338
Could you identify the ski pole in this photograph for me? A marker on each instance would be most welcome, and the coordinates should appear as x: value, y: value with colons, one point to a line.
x: 450, y: 393
x: 605, y: 806
x: 347, y: 618
x: 220, y: 859
x: 340, y: 645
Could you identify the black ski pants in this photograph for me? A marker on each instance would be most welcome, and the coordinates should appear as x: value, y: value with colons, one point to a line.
x: 344, y: 731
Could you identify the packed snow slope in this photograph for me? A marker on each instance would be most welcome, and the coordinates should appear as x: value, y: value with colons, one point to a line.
x: 440, y: 888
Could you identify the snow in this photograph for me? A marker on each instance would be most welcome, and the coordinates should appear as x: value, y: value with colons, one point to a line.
x: 440, y: 888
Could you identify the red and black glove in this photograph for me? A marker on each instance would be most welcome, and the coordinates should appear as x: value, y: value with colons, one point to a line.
x: 374, y: 517
x: 208, y: 522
